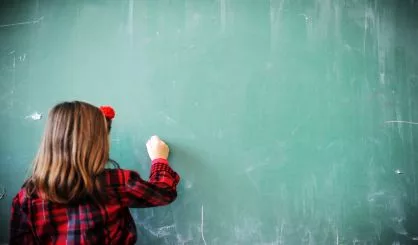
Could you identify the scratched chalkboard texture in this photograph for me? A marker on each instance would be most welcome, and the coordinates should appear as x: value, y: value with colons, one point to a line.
x: 290, y: 122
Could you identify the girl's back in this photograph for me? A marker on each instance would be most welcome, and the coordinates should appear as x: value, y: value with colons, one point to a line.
x: 84, y: 203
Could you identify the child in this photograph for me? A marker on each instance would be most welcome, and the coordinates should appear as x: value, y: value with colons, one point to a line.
x: 70, y: 198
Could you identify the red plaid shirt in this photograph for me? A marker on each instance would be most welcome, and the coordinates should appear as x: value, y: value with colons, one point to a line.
x: 37, y: 221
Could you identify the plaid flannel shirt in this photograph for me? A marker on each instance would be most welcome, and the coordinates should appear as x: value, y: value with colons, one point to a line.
x: 38, y: 221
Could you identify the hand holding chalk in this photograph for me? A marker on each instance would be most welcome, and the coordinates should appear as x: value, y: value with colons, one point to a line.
x: 157, y: 148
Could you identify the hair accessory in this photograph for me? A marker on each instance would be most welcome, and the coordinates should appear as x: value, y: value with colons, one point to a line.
x: 108, y: 112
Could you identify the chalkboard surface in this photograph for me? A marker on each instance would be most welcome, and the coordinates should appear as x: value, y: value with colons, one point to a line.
x: 290, y: 122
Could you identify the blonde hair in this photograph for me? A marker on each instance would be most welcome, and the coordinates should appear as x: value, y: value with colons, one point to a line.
x: 73, y: 153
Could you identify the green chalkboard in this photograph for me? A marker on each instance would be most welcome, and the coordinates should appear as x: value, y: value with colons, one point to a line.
x: 290, y: 122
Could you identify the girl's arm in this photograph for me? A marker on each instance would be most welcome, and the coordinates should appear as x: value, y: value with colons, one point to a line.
x: 160, y: 189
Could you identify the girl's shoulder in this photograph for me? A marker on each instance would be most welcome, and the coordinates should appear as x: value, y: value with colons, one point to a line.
x: 21, y: 199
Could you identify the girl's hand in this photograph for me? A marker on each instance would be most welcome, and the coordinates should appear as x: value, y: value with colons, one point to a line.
x: 157, y: 148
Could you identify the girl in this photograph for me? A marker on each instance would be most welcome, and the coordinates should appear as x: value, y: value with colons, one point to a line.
x: 70, y: 198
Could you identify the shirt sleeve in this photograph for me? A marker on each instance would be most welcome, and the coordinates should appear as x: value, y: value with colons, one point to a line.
x: 159, y: 190
x: 20, y: 229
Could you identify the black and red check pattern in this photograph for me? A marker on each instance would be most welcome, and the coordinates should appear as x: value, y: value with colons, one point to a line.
x: 37, y: 221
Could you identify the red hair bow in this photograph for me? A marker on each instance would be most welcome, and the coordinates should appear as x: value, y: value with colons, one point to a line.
x: 108, y: 112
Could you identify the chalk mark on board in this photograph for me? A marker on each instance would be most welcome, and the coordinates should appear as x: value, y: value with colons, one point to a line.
x: 23, y: 23
x: 188, y: 184
x: 253, y: 182
x: 337, y: 242
x: 34, y: 116
x: 366, y: 27
x: 222, y: 12
x: 307, y: 238
x: 406, y: 122
x: 295, y: 129
x: 2, y: 192
x: 160, y: 231
x: 9, y: 94
x: 14, y: 60
x: 307, y: 18
x: 117, y: 140
x: 130, y: 21
x: 369, y: 18
x: 169, y: 120
x: 253, y: 167
x: 201, y: 228
x: 280, y: 240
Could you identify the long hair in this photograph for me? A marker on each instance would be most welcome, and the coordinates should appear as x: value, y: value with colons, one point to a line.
x: 73, y: 153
